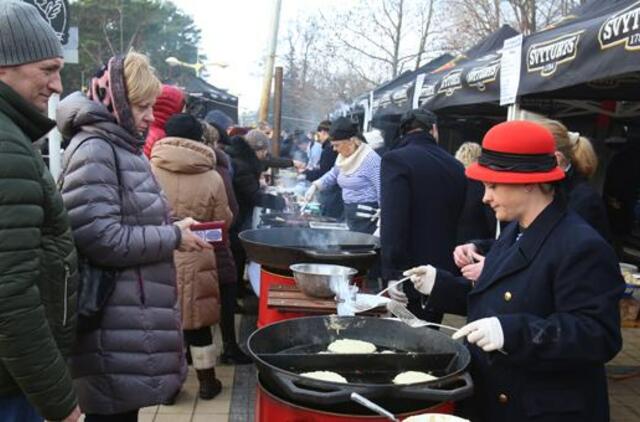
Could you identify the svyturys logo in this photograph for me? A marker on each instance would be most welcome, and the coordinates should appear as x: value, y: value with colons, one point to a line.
x: 545, y: 57
x: 623, y: 28
x: 451, y: 83
x: 427, y: 91
x: 480, y: 76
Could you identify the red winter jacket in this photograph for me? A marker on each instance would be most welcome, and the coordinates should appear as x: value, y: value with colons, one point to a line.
x: 169, y: 102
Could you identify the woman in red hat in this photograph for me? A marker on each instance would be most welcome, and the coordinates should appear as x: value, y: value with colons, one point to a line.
x: 543, y: 316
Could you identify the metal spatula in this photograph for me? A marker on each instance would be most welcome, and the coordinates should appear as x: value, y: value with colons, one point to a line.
x: 405, y: 315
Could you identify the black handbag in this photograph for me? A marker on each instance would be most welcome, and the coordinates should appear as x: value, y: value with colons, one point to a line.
x: 95, y: 286
x: 96, y: 283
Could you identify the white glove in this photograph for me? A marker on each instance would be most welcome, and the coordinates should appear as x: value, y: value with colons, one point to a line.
x: 396, y: 293
x: 309, y: 194
x: 422, y: 277
x: 486, y: 333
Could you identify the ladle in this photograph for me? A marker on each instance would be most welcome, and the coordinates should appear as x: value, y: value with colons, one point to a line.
x: 373, y: 407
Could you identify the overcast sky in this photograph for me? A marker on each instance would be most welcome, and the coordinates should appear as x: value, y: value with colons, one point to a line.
x: 236, y: 32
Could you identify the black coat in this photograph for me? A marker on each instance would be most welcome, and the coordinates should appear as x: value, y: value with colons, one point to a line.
x: 422, y: 196
x: 327, y: 160
x: 586, y: 202
x: 246, y: 179
x: 555, y: 292
x: 331, y: 198
x: 478, y: 221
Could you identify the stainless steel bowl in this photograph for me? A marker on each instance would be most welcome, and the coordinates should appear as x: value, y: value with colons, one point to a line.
x: 321, y: 280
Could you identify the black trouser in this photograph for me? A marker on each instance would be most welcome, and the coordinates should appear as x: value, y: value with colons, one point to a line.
x: 228, y: 293
x: 199, y: 337
x: 239, y: 258
x: 117, y: 417
x: 360, y: 224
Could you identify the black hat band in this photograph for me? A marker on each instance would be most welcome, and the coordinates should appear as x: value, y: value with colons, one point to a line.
x: 517, y: 163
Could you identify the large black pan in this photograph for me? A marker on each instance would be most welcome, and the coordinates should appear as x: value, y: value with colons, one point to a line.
x: 281, y: 247
x: 279, y: 351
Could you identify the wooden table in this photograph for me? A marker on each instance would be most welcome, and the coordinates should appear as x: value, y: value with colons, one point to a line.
x: 291, y: 299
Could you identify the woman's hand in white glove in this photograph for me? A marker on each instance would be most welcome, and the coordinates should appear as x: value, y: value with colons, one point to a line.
x: 396, y: 293
x: 463, y: 254
x: 310, y: 193
x: 422, y: 277
x: 485, y: 333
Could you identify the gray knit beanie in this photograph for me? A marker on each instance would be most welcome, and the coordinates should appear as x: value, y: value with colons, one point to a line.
x: 25, y: 37
x: 257, y: 140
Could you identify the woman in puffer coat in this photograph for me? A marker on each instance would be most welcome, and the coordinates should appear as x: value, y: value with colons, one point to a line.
x: 120, y: 220
x: 185, y: 168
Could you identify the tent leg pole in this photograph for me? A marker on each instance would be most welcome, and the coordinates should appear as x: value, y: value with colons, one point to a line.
x: 513, y: 112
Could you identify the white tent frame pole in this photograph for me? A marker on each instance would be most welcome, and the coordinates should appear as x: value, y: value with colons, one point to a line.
x: 55, y: 140
x: 513, y: 112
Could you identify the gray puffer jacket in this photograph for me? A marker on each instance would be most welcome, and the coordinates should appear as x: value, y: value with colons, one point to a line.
x: 135, y: 358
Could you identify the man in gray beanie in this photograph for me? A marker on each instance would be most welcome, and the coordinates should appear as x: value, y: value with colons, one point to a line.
x: 38, y: 262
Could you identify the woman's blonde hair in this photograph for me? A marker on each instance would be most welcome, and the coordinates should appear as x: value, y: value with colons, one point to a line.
x: 468, y: 153
x: 140, y: 77
x: 576, y: 148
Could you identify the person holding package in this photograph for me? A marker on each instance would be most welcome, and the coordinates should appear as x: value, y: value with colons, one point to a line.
x: 543, y: 316
x: 185, y: 169
x: 133, y: 357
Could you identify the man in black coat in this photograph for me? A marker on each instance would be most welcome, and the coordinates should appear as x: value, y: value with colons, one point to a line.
x: 330, y: 199
x: 422, y: 197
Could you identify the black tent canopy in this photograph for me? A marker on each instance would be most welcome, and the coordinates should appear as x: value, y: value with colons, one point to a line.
x: 472, y: 78
x: 593, y: 55
x: 204, y: 97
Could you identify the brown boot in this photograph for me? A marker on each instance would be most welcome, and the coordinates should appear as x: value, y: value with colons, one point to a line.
x: 203, y: 362
x: 210, y: 386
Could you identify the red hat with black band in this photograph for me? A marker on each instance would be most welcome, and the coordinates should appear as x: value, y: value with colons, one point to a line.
x: 517, y: 152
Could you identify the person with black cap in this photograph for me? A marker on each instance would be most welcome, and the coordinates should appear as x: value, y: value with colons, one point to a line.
x: 423, y: 195
x: 331, y: 204
x: 186, y: 170
x: 543, y: 316
x: 356, y: 171
x: 38, y: 261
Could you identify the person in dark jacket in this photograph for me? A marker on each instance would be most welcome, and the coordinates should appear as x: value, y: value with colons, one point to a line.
x: 134, y: 358
x: 38, y: 263
x: 543, y: 317
x: 575, y: 155
x: 227, y: 272
x: 477, y: 220
x: 246, y: 186
x: 423, y: 193
x: 577, y: 158
x: 331, y: 204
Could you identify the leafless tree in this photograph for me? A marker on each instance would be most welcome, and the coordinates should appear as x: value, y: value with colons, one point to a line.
x: 475, y: 19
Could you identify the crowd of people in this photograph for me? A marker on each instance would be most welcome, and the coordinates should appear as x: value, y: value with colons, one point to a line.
x: 521, y: 245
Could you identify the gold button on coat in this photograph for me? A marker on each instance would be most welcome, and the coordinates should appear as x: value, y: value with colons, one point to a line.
x: 508, y: 296
x: 503, y: 398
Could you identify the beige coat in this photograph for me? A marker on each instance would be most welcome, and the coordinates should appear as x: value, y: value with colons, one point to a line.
x: 186, y: 171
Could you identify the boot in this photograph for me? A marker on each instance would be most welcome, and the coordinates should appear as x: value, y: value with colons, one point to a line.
x: 210, y: 386
x: 233, y: 355
x: 203, y: 361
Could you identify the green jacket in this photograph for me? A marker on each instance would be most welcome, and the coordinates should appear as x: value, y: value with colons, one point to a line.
x: 38, y: 267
